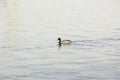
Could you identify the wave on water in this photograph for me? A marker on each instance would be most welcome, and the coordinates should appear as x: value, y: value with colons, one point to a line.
x: 99, y: 43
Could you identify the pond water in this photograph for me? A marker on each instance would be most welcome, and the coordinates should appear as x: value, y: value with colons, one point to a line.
x: 28, y: 39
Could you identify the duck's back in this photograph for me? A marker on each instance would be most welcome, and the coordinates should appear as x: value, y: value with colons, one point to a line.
x: 66, y: 41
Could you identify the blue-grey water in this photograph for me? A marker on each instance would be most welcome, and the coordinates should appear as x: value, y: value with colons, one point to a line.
x: 28, y: 39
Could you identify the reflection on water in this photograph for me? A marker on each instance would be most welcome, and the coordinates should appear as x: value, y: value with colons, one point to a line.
x: 29, y: 32
x: 12, y: 20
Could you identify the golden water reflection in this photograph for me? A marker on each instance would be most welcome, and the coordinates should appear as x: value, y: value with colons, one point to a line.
x: 13, y: 21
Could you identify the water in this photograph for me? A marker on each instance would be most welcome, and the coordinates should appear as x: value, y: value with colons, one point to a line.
x: 28, y: 40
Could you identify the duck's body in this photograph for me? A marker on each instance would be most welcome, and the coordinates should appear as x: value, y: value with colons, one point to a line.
x: 64, y: 42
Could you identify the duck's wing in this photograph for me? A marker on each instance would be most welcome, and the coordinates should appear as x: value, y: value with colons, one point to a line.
x: 67, y: 40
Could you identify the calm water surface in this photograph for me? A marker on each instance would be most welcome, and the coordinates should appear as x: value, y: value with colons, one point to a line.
x: 28, y: 39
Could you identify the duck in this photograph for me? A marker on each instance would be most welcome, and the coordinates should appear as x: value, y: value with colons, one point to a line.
x: 63, y: 42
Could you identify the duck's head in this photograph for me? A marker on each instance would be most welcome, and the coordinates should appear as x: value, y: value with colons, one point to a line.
x: 59, y: 39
